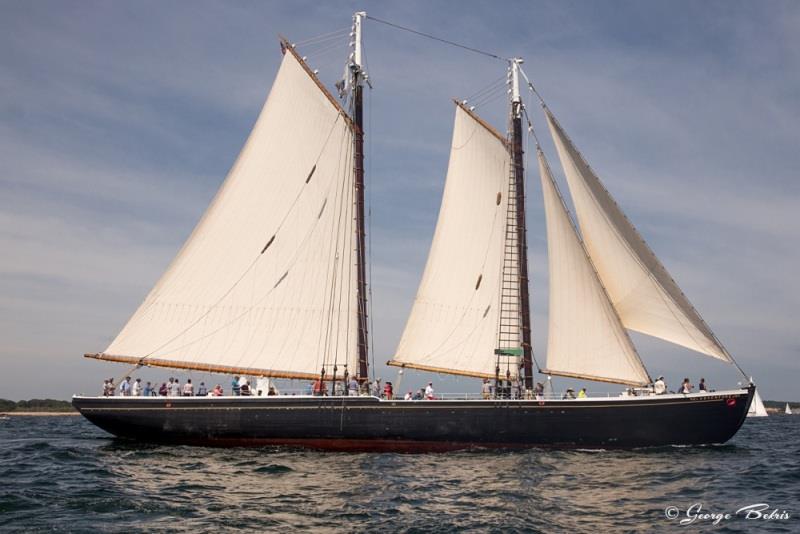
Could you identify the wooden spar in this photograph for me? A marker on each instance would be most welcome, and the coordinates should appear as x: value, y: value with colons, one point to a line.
x: 522, y: 242
x: 483, y: 123
x: 441, y: 370
x: 361, y: 290
x: 590, y: 377
x: 209, y: 368
x: 286, y: 46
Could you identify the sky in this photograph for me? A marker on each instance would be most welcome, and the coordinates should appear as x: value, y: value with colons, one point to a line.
x: 119, y: 120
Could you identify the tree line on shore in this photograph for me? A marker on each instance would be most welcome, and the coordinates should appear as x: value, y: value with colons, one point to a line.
x: 36, y: 405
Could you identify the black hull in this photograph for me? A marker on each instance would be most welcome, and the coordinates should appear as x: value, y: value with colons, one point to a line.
x: 369, y: 424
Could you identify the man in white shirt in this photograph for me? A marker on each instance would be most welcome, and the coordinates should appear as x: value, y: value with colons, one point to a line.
x: 137, y: 388
x: 376, y: 388
x: 125, y: 387
x: 429, y: 391
x: 486, y: 389
x: 175, y: 388
x: 242, y: 381
x: 659, y: 387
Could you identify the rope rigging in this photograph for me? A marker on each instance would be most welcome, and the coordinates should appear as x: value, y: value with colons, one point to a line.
x: 439, y: 39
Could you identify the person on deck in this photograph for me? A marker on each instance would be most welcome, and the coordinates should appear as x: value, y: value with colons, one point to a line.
x: 582, y: 393
x: 163, y: 391
x: 569, y: 394
x: 105, y: 388
x: 352, y: 389
x: 136, y: 388
x: 125, y: 387
x: 244, y: 389
x: 217, y: 391
x: 242, y: 381
x: 148, y: 390
x: 235, y: 386
x: 388, y: 391
x: 319, y: 389
x: 188, y: 389
x: 376, y: 388
x: 202, y: 391
x: 486, y: 389
x: 686, y: 387
x: 538, y: 391
x: 175, y: 389
x: 429, y: 393
x: 659, y: 386
x: 408, y: 396
x: 702, y: 385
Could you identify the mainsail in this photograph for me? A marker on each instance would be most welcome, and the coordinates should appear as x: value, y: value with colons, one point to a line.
x: 586, y: 338
x: 645, y: 296
x: 266, y: 283
x: 453, y: 323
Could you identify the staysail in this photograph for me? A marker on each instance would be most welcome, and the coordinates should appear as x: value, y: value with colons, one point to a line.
x: 453, y: 323
x: 645, y: 296
x: 585, y: 337
x: 266, y: 283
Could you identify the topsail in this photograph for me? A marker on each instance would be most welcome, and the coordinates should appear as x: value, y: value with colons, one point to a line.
x: 266, y: 283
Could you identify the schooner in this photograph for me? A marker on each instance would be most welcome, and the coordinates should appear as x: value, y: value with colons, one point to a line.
x: 272, y: 283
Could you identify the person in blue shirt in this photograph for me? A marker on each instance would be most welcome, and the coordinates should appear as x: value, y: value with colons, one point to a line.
x: 235, y: 385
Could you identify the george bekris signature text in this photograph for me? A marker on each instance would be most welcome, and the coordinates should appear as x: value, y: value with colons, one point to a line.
x: 696, y: 514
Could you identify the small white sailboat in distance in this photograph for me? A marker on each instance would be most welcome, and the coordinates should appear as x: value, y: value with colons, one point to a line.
x: 757, y: 408
x: 788, y: 410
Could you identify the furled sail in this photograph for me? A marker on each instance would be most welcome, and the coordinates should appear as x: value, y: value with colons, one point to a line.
x: 453, y: 323
x: 585, y: 338
x: 266, y: 283
x: 644, y: 294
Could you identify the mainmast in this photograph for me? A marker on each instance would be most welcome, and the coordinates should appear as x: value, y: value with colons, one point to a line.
x: 358, y: 77
x: 522, y: 239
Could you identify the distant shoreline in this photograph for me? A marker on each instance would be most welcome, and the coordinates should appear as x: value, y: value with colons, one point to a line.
x: 37, y: 414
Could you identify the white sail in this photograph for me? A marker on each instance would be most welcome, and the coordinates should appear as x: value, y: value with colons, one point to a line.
x: 788, y: 410
x: 453, y: 323
x: 644, y: 294
x: 267, y: 280
x: 585, y: 337
x: 757, y: 408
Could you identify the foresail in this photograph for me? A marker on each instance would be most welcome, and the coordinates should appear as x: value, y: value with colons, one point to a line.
x: 453, y: 323
x: 645, y: 296
x: 267, y: 280
x: 585, y: 337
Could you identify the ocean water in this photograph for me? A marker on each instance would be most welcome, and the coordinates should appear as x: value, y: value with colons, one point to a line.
x: 62, y: 474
